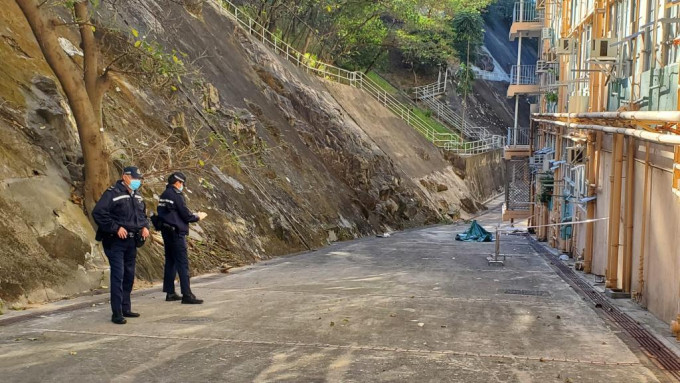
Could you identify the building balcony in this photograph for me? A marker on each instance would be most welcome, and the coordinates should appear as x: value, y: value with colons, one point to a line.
x: 527, y: 21
x: 523, y: 80
x: 517, y: 143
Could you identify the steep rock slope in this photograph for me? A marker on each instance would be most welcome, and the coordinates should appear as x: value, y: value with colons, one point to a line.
x: 285, y: 166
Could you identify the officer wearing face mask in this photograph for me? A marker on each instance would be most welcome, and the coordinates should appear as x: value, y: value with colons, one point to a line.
x: 122, y: 225
x: 174, y: 218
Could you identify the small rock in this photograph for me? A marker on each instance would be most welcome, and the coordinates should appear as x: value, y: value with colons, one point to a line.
x: 393, y: 315
x: 558, y: 317
x: 421, y: 324
x: 332, y: 323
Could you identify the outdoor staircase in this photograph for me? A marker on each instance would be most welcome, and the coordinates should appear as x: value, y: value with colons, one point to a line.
x: 447, y: 141
x: 427, y: 96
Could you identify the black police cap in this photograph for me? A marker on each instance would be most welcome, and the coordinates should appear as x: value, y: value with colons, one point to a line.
x: 133, y: 172
x: 177, y: 176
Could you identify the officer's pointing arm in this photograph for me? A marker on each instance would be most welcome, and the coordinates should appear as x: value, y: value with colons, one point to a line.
x: 184, y: 212
x: 102, y: 214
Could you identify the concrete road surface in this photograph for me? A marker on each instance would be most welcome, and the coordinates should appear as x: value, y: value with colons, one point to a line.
x: 415, y: 307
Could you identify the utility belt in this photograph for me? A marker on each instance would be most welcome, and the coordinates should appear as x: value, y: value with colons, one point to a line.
x: 109, y: 237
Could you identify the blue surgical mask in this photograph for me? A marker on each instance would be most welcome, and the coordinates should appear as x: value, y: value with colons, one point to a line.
x: 135, y: 184
x: 181, y: 187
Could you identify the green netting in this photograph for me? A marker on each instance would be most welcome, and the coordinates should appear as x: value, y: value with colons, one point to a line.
x: 475, y: 233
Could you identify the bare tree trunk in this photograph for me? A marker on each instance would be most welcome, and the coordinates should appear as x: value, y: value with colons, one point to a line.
x: 72, y: 82
x: 96, y: 83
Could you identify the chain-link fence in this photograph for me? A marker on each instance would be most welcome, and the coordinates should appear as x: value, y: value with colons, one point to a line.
x: 518, y: 184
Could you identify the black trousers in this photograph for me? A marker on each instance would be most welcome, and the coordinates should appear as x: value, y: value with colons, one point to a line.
x: 122, y: 254
x: 176, y: 262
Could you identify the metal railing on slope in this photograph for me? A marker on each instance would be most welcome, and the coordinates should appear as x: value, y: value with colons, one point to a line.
x: 444, y: 113
x: 447, y: 141
x: 427, y: 96
x: 430, y: 90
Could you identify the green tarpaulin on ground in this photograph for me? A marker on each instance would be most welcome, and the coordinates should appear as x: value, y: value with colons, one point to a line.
x: 475, y: 233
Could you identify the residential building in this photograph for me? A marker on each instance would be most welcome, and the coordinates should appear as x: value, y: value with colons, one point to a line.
x: 604, y: 143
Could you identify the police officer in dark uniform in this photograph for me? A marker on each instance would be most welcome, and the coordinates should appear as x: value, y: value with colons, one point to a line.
x: 174, y: 219
x: 122, y: 225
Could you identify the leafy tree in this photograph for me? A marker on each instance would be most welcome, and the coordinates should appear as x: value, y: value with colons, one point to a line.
x: 464, y: 79
x: 469, y: 34
x: 357, y: 34
x: 85, y: 88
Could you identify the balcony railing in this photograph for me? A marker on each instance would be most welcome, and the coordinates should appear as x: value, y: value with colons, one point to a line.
x: 518, y: 136
x: 526, y: 12
x: 523, y: 75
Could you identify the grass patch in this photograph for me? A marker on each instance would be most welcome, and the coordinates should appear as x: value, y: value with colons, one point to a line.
x: 434, y: 124
x: 382, y: 83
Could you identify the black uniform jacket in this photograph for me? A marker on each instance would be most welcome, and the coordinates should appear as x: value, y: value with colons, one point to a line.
x: 118, y: 207
x: 173, y: 211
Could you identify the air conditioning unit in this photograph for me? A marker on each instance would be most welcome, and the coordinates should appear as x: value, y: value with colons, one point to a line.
x: 566, y: 46
x: 546, y: 163
x: 601, y: 48
x: 541, y: 66
x: 546, y: 33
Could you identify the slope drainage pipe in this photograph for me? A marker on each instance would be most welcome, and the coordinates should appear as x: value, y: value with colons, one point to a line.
x: 670, y: 139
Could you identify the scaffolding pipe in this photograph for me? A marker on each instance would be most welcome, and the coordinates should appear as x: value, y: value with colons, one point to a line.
x: 661, y: 117
x: 643, y: 235
x: 588, y: 254
x: 628, y: 215
x: 670, y: 139
x: 615, y: 214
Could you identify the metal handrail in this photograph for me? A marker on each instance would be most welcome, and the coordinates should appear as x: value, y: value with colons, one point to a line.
x: 430, y: 90
x: 446, y: 141
x: 444, y: 113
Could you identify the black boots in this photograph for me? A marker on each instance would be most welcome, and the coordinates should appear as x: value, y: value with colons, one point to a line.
x: 172, y: 297
x: 130, y: 314
x: 190, y: 299
x: 118, y: 318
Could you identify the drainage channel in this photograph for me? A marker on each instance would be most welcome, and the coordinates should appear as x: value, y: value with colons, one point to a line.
x: 653, y: 347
